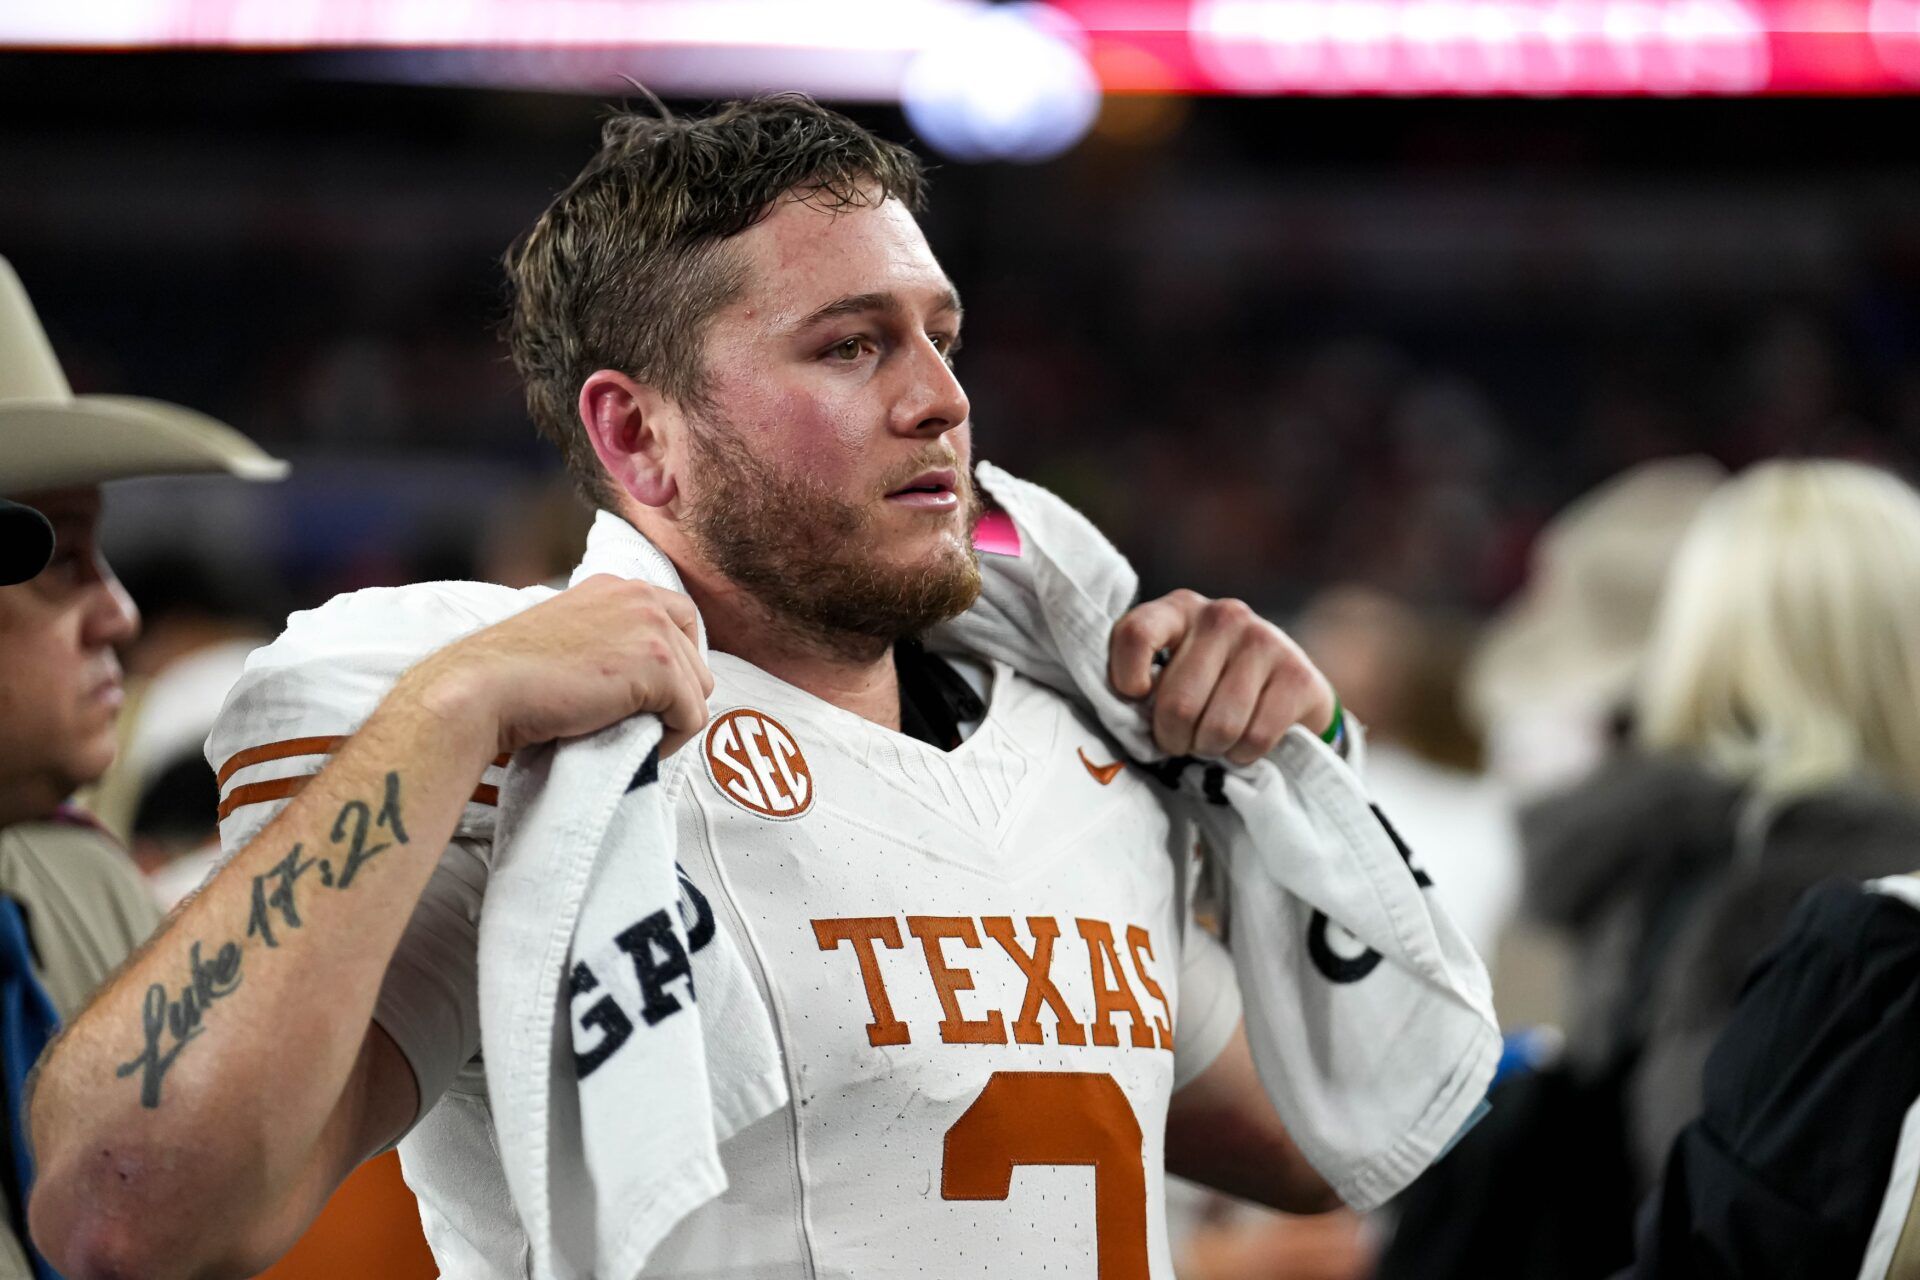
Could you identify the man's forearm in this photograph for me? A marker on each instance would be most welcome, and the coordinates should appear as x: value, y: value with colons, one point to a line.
x: 226, y: 1043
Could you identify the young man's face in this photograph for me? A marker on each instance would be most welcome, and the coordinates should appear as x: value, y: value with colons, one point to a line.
x: 60, y: 689
x: 831, y: 477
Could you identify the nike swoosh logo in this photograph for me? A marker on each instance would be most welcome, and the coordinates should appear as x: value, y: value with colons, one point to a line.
x: 1102, y: 773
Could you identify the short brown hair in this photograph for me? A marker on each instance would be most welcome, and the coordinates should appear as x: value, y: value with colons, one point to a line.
x: 624, y: 269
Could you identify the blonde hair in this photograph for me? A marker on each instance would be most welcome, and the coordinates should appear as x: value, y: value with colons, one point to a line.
x: 1786, y: 648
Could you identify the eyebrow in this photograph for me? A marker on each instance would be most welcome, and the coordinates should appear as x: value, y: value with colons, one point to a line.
x: 866, y: 303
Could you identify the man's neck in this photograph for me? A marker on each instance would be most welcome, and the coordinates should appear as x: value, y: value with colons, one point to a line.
x: 858, y: 676
x: 26, y: 800
x: 737, y: 624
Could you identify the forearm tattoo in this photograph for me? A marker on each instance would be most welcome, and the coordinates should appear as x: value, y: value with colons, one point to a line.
x: 170, y: 1021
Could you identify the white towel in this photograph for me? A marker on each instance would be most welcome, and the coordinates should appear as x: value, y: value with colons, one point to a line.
x: 1369, y: 1014
x: 602, y: 1164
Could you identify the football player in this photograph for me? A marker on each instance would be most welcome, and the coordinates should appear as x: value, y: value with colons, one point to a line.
x: 972, y: 926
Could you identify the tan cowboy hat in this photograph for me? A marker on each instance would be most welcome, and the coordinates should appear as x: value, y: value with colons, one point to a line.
x: 1577, y: 632
x: 51, y: 438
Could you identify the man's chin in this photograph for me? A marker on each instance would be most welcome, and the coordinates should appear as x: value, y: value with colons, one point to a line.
x: 950, y: 553
x: 89, y: 763
x: 958, y: 579
x: 905, y: 597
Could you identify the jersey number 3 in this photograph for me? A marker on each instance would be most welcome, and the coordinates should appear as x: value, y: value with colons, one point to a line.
x: 1057, y: 1117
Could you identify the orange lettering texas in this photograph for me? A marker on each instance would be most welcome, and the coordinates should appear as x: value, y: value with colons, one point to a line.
x: 1112, y: 962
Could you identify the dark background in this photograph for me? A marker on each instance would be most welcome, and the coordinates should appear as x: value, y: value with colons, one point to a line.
x: 1269, y: 344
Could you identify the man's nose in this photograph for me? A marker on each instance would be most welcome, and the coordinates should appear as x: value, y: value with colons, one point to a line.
x: 112, y: 618
x: 935, y: 403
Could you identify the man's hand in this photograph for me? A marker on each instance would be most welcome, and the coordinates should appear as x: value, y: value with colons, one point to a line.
x: 590, y: 657
x: 1236, y: 682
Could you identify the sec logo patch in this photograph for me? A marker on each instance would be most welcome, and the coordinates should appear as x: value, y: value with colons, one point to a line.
x: 755, y: 763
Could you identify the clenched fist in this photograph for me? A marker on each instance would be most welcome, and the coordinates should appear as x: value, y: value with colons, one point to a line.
x: 590, y: 657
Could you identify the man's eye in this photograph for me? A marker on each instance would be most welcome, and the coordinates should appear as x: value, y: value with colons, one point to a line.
x: 849, y: 350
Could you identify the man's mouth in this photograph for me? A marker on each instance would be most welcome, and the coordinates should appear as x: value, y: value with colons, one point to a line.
x: 930, y: 491
x: 110, y: 693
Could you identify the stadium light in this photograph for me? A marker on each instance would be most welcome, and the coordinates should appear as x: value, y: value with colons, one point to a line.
x: 1014, y: 80
x: 1480, y: 46
x: 1010, y: 84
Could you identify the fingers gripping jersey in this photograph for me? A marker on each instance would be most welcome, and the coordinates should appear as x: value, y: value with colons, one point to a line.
x: 980, y: 964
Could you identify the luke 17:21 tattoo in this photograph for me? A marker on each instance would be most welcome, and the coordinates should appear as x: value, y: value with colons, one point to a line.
x: 169, y: 1022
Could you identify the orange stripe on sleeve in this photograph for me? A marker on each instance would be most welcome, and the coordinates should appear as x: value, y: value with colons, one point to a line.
x: 259, y: 792
x: 297, y: 747
x: 277, y: 751
x: 281, y: 788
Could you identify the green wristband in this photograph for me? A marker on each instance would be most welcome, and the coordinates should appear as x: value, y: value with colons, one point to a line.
x: 1338, y: 728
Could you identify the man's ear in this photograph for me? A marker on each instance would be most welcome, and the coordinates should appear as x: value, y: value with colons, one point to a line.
x: 631, y: 426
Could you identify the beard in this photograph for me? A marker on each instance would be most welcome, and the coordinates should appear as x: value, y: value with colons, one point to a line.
x: 811, y: 559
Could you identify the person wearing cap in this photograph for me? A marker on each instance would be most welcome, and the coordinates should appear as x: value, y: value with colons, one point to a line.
x: 72, y: 906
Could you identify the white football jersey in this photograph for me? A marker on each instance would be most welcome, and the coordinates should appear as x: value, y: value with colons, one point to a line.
x: 981, y: 967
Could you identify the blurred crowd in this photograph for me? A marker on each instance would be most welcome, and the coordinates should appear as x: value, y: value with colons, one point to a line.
x: 1226, y: 449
